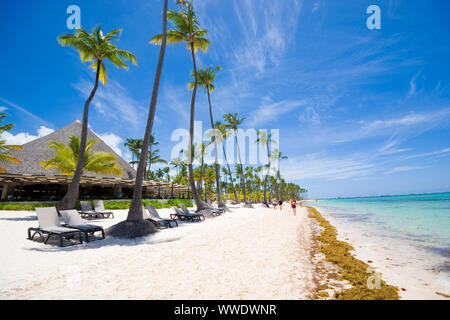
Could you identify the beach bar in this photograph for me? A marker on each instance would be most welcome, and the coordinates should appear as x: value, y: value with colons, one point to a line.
x: 29, y: 181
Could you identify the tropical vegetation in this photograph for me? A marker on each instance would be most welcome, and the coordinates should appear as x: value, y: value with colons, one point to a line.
x: 96, y: 48
x: 66, y: 158
x: 5, y: 149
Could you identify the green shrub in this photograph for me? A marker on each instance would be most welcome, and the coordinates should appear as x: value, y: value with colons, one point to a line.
x: 26, y: 206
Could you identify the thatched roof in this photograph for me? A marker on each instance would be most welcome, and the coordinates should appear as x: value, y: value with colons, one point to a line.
x: 37, y: 151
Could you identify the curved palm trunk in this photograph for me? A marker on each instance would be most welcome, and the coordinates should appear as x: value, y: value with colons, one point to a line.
x: 202, y: 182
x: 267, y: 175
x: 242, y: 170
x: 220, y: 203
x: 69, y: 201
x: 230, y: 174
x: 135, y: 212
x: 200, y: 205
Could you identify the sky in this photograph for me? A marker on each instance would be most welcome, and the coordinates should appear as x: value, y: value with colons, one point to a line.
x: 360, y: 112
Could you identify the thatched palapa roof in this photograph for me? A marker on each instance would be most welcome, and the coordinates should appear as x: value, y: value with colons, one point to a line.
x: 38, y: 151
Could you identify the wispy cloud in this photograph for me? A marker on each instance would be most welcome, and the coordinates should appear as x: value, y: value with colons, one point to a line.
x: 269, y: 110
x: 412, y: 85
x: 404, y: 169
x: 113, y: 101
x: 26, y: 112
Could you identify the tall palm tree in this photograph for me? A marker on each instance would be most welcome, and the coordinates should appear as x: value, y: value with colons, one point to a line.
x: 66, y: 158
x: 5, y: 149
x: 206, y: 78
x: 233, y: 122
x: 225, y: 133
x: 135, y: 213
x: 187, y: 29
x: 153, y: 158
x: 96, y: 48
x: 277, y: 155
x: 264, y: 140
x: 177, y: 163
x: 135, y: 147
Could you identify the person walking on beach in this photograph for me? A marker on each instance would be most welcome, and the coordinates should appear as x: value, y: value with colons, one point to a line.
x: 275, y: 202
x: 294, y: 206
x: 280, y: 203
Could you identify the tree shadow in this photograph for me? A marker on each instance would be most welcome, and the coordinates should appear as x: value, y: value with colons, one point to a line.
x: 29, y: 218
x: 151, y: 239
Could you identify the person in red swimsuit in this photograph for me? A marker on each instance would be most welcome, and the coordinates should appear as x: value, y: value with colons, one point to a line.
x: 294, y: 206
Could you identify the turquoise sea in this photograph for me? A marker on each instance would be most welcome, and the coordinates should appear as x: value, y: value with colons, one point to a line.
x: 420, y: 219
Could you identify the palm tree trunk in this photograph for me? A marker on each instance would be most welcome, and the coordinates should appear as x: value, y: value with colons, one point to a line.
x: 267, y: 174
x: 230, y: 174
x: 135, y: 212
x: 69, y: 201
x: 200, y: 205
x: 220, y: 203
x: 242, y: 170
x: 202, y: 181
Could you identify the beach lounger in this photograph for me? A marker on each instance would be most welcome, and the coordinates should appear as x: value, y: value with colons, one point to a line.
x: 100, y: 207
x: 159, y: 223
x: 217, y: 211
x: 87, y: 212
x: 185, y: 210
x: 155, y: 216
x: 186, y: 216
x: 73, y: 220
x: 49, y: 226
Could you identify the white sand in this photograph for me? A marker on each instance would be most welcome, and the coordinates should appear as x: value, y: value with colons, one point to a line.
x: 246, y: 254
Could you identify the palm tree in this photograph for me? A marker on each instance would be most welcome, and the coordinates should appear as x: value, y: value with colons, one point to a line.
x: 135, y: 147
x: 66, y: 158
x: 154, y: 157
x: 187, y: 29
x: 5, y: 149
x: 206, y: 78
x: 264, y: 140
x: 277, y: 155
x: 232, y: 123
x: 166, y: 171
x: 177, y: 163
x: 135, y: 215
x: 225, y: 133
x: 97, y: 48
x: 152, y: 143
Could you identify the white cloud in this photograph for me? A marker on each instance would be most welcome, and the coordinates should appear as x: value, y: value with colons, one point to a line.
x: 25, y: 137
x: 112, y: 140
x: 270, y: 111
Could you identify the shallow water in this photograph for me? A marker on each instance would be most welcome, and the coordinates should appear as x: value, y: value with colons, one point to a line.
x: 411, y: 222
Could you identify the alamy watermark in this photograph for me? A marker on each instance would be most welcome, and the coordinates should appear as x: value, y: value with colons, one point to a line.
x: 74, y: 20
x: 251, y: 152
x: 374, y: 20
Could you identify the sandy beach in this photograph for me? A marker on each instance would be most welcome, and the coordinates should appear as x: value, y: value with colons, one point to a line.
x: 245, y: 254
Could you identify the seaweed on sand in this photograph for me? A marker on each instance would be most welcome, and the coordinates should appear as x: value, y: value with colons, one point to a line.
x: 351, y: 269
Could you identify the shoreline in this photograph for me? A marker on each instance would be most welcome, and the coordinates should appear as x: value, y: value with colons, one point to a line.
x: 400, y: 264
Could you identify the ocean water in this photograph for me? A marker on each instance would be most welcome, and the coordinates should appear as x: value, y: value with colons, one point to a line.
x: 421, y: 219
x: 414, y: 230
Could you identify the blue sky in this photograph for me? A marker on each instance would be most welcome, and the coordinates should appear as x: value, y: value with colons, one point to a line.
x: 360, y: 112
